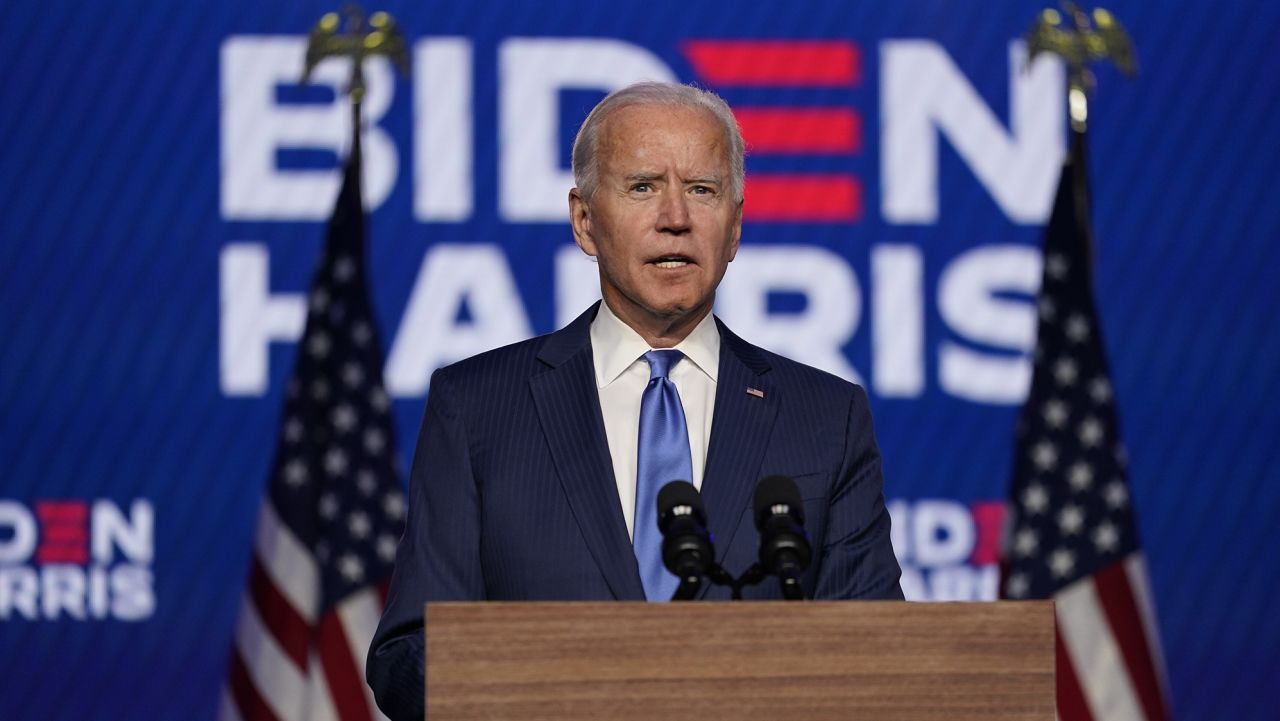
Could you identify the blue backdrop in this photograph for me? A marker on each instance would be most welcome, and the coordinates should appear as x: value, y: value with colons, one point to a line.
x: 164, y: 190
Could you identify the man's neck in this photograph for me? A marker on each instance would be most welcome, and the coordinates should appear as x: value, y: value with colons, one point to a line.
x: 661, y: 333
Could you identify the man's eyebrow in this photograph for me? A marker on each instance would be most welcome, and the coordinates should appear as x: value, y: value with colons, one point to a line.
x: 643, y: 175
x: 710, y: 179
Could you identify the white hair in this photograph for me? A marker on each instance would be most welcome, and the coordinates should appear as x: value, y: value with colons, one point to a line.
x: 586, y: 162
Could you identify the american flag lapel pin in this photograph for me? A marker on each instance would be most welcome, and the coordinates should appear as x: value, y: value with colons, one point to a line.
x: 755, y: 392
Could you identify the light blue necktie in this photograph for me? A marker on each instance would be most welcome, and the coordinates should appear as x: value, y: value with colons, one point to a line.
x: 662, y: 457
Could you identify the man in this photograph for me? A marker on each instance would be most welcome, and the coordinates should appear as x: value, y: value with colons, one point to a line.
x: 537, y: 464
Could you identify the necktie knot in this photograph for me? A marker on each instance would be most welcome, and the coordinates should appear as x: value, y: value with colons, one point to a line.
x: 661, y: 362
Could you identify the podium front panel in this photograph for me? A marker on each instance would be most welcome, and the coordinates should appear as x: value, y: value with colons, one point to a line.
x: 708, y: 661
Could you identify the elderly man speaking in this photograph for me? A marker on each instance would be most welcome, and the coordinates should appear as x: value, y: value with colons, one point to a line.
x: 538, y: 464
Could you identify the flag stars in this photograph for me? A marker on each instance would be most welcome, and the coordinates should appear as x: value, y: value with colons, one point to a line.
x: 1044, y: 455
x: 358, y: 524
x: 1090, y: 432
x: 1057, y: 266
x: 335, y: 462
x: 319, y: 345
x: 1018, y: 586
x: 1106, y: 538
x: 327, y: 506
x: 366, y: 482
x: 1065, y: 371
x: 1071, y: 520
x: 1025, y: 542
x: 1047, y: 309
x: 361, y: 333
x: 1122, y: 454
x: 1100, y: 390
x: 1062, y: 562
x: 351, y: 567
x: 293, y: 430
x: 1077, y: 328
x: 320, y: 390
x: 1035, y: 499
x: 386, y: 547
x: 295, y: 473
x: 319, y: 300
x: 375, y: 441
x: 393, y: 506
x: 1080, y: 476
x: 344, y: 269
x: 352, y: 375
x: 344, y: 418
x: 1055, y: 413
x: 1115, y: 494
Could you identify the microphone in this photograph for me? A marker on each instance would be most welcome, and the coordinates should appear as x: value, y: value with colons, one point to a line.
x: 784, y: 549
x: 686, y: 544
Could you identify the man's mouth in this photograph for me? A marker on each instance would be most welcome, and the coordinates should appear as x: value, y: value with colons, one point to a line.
x: 671, y: 261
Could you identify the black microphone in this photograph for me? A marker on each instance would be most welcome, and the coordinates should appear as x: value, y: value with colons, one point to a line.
x: 686, y: 544
x: 784, y: 549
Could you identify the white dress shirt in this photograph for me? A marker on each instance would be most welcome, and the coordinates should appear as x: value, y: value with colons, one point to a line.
x: 621, y: 377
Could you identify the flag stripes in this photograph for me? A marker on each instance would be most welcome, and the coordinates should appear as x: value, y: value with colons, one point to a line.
x: 273, y: 662
x: 292, y: 571
x: 1094, y: 653
x: 1071, y: 703
x: 1118, y: 600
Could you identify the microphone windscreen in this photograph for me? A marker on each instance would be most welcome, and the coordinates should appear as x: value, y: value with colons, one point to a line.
x: 777, y: 490
x: 679, y: 493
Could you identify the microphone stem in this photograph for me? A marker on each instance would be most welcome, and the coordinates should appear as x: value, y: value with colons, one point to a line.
x: 791, y: 589
x: 688, y: 588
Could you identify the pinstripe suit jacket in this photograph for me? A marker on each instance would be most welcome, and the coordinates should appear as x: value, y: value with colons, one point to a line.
x: 512, y: 495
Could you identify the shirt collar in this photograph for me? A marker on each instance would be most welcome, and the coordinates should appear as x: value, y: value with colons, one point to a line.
x: 616, y: 345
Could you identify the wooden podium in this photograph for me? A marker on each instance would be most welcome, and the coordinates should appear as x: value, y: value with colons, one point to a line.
x: 750, y: 660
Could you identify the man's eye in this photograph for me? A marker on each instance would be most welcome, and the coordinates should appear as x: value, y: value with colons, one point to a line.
x: 642, y: 188
x: 702, y: 190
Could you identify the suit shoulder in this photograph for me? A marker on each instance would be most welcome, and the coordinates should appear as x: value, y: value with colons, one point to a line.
x: 514, y: 361
x: 795, y: 374
x: 788, y: 373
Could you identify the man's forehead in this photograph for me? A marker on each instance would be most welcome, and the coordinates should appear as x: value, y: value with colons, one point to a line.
x: 635, y: 130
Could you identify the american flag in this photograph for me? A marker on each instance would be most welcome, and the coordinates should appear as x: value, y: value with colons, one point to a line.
x: 334, y: 509
x: 1072, y: 535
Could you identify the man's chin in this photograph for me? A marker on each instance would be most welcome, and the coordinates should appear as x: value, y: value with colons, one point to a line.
x: 666, y: 309
x: 676, y: 312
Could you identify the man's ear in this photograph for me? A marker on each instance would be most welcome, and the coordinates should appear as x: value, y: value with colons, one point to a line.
x: 737, y: 232
x: 580, y: 220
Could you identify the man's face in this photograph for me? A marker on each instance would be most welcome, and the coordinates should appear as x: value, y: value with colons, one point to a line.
x: 662, y: 223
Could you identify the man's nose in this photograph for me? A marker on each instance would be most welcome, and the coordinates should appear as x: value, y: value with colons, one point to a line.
x: 673, y: 213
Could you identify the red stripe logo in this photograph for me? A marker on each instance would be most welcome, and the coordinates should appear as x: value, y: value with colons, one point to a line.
x: 802, y: 194
x: 778, y: 63
x: 803, y: 197
x: 800, y: 130
x: 64, y: 536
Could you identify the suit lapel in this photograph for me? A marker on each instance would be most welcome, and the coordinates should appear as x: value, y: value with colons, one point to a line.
x: 568, y: 406
x: 740, y: 431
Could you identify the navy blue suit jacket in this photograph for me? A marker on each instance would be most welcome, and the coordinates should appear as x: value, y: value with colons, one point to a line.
x: 512, y: 495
